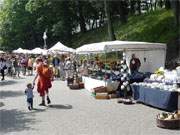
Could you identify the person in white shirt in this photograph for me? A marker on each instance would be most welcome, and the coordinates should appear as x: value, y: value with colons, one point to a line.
x: 29, y: 94
x: 67, y: 67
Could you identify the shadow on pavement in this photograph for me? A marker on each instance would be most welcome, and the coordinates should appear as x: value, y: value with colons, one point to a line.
x: 57, y: 106
x: 8, y: 93
x: 38, y: 110
x: 9, y: 82
x: 1, y: 104
x: 15, y: 121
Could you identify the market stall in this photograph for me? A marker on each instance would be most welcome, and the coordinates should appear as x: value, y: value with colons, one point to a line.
x: 146, y: 52
x: 90, y: 83
x: 167, y: 100
x: 39, y: 51
x: 59, y: 47
x: 19, y: 50
x: 161, y: 90
x: 1, y: 52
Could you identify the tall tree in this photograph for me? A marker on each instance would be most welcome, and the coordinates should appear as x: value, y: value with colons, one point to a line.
x: 175, y: 4
x: 109, y: 21
x: 123, y: 11
x: 139, y: 6
x: 132, y: 6
x: 80, y: 5
x: 167, y: 4
x: 16, y: 25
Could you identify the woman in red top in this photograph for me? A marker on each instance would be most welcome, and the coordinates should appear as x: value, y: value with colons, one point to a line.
x: 44, y: 80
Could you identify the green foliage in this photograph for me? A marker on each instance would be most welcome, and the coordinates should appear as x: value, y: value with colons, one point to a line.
x: 22, y: 23
x: 15, y: 24
x: 154, y: 26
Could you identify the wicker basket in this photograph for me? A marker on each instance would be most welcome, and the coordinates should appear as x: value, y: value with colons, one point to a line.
x: 168, y: 124
x: 69, y: 81
x: 74, y: 86
x: 81, y: 85
x: 102, y: 96
x: 100, y: 89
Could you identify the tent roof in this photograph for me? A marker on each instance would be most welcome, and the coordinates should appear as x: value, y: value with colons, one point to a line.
x: 19, y: 50
x: 61, y: 48
x: 38, y: 51
x: 118, y: 46
x: 1, y: 52
x: 26, y: 51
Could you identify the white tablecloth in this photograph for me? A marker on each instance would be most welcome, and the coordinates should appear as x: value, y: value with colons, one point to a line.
x: 90, y: 83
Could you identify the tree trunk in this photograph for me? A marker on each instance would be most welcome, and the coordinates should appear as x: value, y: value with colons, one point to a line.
x: 177, y: 13
x: 101, y: 23
x: 96, y: 23
x: 151, y: 5
x: 123, y: 11
x: 175, y: 5
x: 161, y: 3
x: 139, y: 6
x: 81, y: 17
x: 167, y: 4
x: 92, y: 26
x: 155, y: 5
x: 109, y: 21
x: 132, y: 6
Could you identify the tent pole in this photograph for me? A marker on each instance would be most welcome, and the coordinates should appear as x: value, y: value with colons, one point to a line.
x: 105, y: 67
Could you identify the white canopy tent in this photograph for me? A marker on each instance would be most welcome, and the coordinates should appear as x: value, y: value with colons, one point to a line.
x: 151, y: 55
x: 92, y: 48
x: 59, y: 47
x: 25, y: 51
x: 19, y: 50
x: 39, y: 51
x: 1, y: 52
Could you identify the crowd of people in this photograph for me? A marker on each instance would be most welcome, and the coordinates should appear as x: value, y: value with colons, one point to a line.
x: 17, y: 65
x: 14, y: 65
x: 46, y: 69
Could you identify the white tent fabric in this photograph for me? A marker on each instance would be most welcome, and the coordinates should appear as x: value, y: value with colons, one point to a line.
x: 59, y: 47
x: 92, y: 48
x: 118, y: 46
x: 19, y: 50
x: 151, y: 55
x: 1, y: 52
x: 129, y: 45
x: 56, y: 52
x: 38, y: 51
x: 25, y: 51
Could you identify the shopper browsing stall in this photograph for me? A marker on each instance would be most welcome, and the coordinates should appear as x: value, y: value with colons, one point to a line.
x: 67, y: 67
x: 135, y: 64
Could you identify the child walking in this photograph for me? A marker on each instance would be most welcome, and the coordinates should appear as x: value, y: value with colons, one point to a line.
x: 29, y: 94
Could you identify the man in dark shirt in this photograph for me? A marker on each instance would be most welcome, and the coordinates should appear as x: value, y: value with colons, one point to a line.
x: 134, y: 64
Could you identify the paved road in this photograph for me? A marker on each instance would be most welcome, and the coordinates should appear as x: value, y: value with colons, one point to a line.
x: 72, y: 113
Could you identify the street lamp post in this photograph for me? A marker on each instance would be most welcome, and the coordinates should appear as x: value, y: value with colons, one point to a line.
x: 45, y: 37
